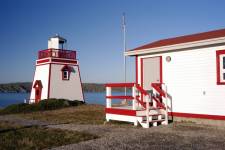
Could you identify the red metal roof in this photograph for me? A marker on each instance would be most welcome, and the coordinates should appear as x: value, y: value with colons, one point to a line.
x: 184, y: 39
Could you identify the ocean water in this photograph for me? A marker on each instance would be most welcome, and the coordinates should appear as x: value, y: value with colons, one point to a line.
x: 15, y: 98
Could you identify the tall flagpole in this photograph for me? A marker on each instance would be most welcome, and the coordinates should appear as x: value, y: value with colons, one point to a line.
x: 124, y: 50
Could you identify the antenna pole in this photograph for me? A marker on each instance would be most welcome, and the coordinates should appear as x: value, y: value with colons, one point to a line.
x: 124, y: 50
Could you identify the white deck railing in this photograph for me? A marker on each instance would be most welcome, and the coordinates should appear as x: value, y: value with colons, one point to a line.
x: 140, y: 98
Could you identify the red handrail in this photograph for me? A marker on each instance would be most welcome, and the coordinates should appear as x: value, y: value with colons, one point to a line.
x: 121, y: 97
x: 141, y: 89
x: 141, y: 102
x: 119, y: 84
x: 157, y: 87
x: 158, y: 102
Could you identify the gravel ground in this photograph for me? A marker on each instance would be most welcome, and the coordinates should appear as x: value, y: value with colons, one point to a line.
x: 183, y: 136
x: 176, y: 136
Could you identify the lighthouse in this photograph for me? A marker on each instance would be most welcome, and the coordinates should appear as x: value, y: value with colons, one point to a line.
x: 57, y: 73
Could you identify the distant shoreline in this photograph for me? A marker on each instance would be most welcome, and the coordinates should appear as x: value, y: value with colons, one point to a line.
x: 25, y: 87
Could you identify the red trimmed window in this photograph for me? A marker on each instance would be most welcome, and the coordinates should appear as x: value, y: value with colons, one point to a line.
x: 220, y: 66
x: 66, y: 70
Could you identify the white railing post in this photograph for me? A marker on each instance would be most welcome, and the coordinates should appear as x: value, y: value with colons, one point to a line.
x: 134, y: 102
x: 134, y: 94
x: 165, y: 100
x: 154, y: 94
x: 108, y: 100
x: 147, y: 110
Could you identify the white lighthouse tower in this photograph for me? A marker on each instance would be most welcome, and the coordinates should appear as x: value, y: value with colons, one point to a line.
x: 57, y: 73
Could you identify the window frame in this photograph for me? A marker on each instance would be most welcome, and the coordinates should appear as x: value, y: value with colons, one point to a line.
x: 220, y: 70
x: 65, y: 76
x: 68, y: 71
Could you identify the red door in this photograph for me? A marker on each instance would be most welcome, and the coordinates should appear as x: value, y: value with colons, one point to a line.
x: 38, y: 89
x: 37, y: 95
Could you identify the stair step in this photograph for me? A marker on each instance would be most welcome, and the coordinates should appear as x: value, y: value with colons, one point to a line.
x: 155, y: 108
x: 161, y: 120
x: 151, y: 115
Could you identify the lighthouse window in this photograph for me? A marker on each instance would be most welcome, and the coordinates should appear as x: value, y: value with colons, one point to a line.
x: 66, y: 70
x: 65, y: 75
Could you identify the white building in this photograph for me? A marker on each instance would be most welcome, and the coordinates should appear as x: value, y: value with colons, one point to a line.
x: 186, y: 75
x: 57, y: 73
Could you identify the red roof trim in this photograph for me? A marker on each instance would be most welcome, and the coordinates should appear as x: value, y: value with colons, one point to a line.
x: 38, y: 82
x: 66, y: 68
x: 184, y: 39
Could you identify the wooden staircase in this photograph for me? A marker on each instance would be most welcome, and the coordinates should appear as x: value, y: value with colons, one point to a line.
x: 156, y: 117
x: 150, y: 109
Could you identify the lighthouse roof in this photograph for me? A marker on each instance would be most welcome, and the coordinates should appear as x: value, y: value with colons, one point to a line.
x: 59, y: 37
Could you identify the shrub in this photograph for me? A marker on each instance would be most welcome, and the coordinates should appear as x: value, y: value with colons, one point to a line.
x: 48, y: 104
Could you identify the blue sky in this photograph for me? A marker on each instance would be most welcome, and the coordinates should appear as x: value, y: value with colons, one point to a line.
x: 93, y: 27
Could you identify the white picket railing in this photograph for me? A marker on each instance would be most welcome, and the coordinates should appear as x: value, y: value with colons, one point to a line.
x: 137, y: 92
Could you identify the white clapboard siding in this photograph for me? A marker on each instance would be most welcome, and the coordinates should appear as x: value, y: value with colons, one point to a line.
x: 67, y: 89
x: 190, y: 77
x: 41, y: 73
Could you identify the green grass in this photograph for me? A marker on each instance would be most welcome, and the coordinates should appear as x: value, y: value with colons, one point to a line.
x: 50, y: 104
x: 17, y: 137
x: 5, y: 125
x: 82, y: 114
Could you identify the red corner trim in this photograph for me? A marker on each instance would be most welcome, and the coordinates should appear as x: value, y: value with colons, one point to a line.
x: 136, y: 68
x: 141, y: 72
x: 49, y: 81
x: 126, y: 112
x: 56, y: 61
x: 81, y: 83
x: 33, y: 82
x: 201, y: 116
x: 43, y: 61
x: 64, y: 61
x: 142, y: 96
x: 161, y: 70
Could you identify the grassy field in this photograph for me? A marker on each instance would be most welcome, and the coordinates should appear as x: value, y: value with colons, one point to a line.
x: 83, y: 122
x: 49, y: 104
x: 19, y: 137
x: 13, y: 136
x: 83, y: 114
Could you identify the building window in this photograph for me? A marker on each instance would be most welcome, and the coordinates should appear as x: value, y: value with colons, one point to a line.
x: 66, y: 70
x: 66, y: 75
x: 220, y: 66
x: 223, y: 62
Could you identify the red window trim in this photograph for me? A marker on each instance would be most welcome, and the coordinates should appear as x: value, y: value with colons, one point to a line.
x: 66, y: 68
x: 218, y: 53
x: 63, y: 77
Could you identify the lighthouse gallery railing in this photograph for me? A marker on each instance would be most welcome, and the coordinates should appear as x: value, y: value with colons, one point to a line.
x: 57, y: 53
